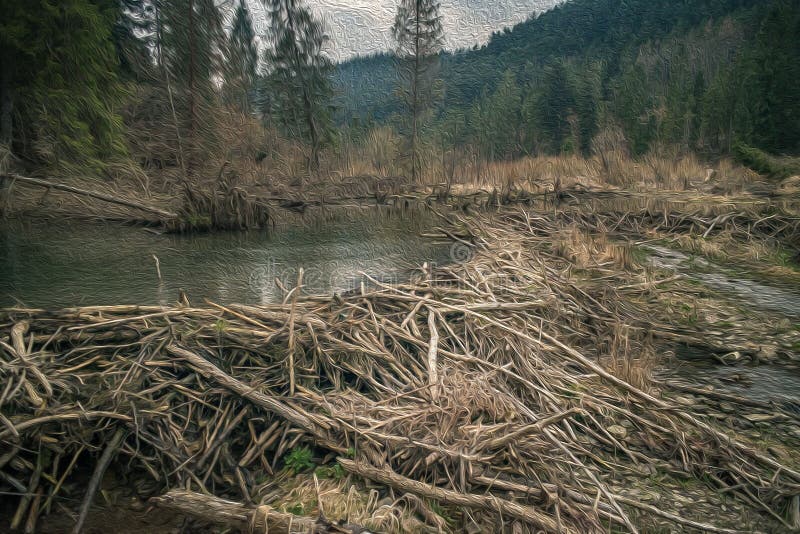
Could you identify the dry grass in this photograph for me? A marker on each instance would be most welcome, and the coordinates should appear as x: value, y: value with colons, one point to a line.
x: 768, y: 257
x: 633, y: 364
x: 586, y: 249
x: 306, y: 494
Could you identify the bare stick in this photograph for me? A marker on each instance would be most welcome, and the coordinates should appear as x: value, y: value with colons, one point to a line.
x: 246, y: 518
x: 291, y: 331
x: 97, y: 476
x: 207, y: 369
x: 433, y: 373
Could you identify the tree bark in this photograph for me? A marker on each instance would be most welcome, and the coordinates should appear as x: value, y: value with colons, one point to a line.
x: 6, y: 101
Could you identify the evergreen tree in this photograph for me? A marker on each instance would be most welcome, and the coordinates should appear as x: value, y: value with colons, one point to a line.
x: 243, y: 57
x: 775, y: 68
x: 59, y: 84
x: 298, y: 75
x: 133, y: 35
x: 588, y: 97
x: 502, y: 118
x: 189, y: 44
x: 718, y: 111
x: 555, y: 107
x: 633, y: 107
x: 419, y: 37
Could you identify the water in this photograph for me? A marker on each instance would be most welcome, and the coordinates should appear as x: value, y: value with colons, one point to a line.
x: 753, y: 293
x: 764, y: 383
x: 61, y: 265
x: 773, y: 383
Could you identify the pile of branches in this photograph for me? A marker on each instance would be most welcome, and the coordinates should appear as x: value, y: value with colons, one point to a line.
x: 478, y: 386
x: 220, y: 205
x: 630, y: 214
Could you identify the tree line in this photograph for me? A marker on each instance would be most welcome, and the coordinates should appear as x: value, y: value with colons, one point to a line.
x: 68, y: 67
x: 635, y: 75
x: 709, y: 76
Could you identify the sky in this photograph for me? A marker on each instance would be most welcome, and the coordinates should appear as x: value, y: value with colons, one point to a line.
x: 363, y: 26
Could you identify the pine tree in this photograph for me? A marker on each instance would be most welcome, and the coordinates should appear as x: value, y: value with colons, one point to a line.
x: 717, y: 112
x: 419, y: 38
x: 555, y: 106
x: 502, y: 120
x: 59, y: 81
x: 189, y: 44
x: 243, y: 58
x: 16, y: 26
x: 133, y: 35
x: 633, y: 107
x: 298, y: 88
x: 775, y: 65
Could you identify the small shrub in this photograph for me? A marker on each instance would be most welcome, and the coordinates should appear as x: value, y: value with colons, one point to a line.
x: 763, y: 163
x: 299, y: 460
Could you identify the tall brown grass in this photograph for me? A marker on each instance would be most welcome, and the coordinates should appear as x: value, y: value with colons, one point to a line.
x: 628, y: 358
x: 263, y: 156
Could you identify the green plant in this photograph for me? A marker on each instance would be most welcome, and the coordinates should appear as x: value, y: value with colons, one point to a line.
x: 763, y: 163
x: 299, y: 460
x: 438, y: 510
x: 296, y: 509
x: 334, y: 471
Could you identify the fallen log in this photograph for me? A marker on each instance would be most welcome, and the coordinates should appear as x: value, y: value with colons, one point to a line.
x: 16, y: 178
x: 487, y: 502
x: 250, y: 519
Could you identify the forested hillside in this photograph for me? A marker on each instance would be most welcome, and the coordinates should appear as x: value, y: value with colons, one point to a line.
x: 177, y: 88
x: 703, y: 75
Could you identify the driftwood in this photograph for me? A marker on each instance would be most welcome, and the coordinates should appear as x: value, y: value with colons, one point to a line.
x: 16, y: 178
x: 249, y: 519
x: 97, y: 476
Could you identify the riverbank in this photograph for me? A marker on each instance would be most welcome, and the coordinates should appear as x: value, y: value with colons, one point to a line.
x: 250, y: 194
x: 513, y: 390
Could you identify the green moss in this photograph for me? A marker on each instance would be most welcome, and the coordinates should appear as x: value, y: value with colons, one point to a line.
x: 296, y: 509
x: 334, y: 471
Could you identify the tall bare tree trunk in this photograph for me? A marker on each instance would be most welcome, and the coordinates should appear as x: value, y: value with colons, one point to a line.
x: 415, y: 96
x: 192, y: 103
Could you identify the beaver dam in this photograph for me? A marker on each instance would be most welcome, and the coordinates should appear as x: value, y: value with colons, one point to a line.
x: 519, y: 388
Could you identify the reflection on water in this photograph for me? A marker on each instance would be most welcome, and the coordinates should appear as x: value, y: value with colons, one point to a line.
x: 53, y: 265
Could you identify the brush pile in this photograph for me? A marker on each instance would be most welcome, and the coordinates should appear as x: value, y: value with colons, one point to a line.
x: 476, y: 392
